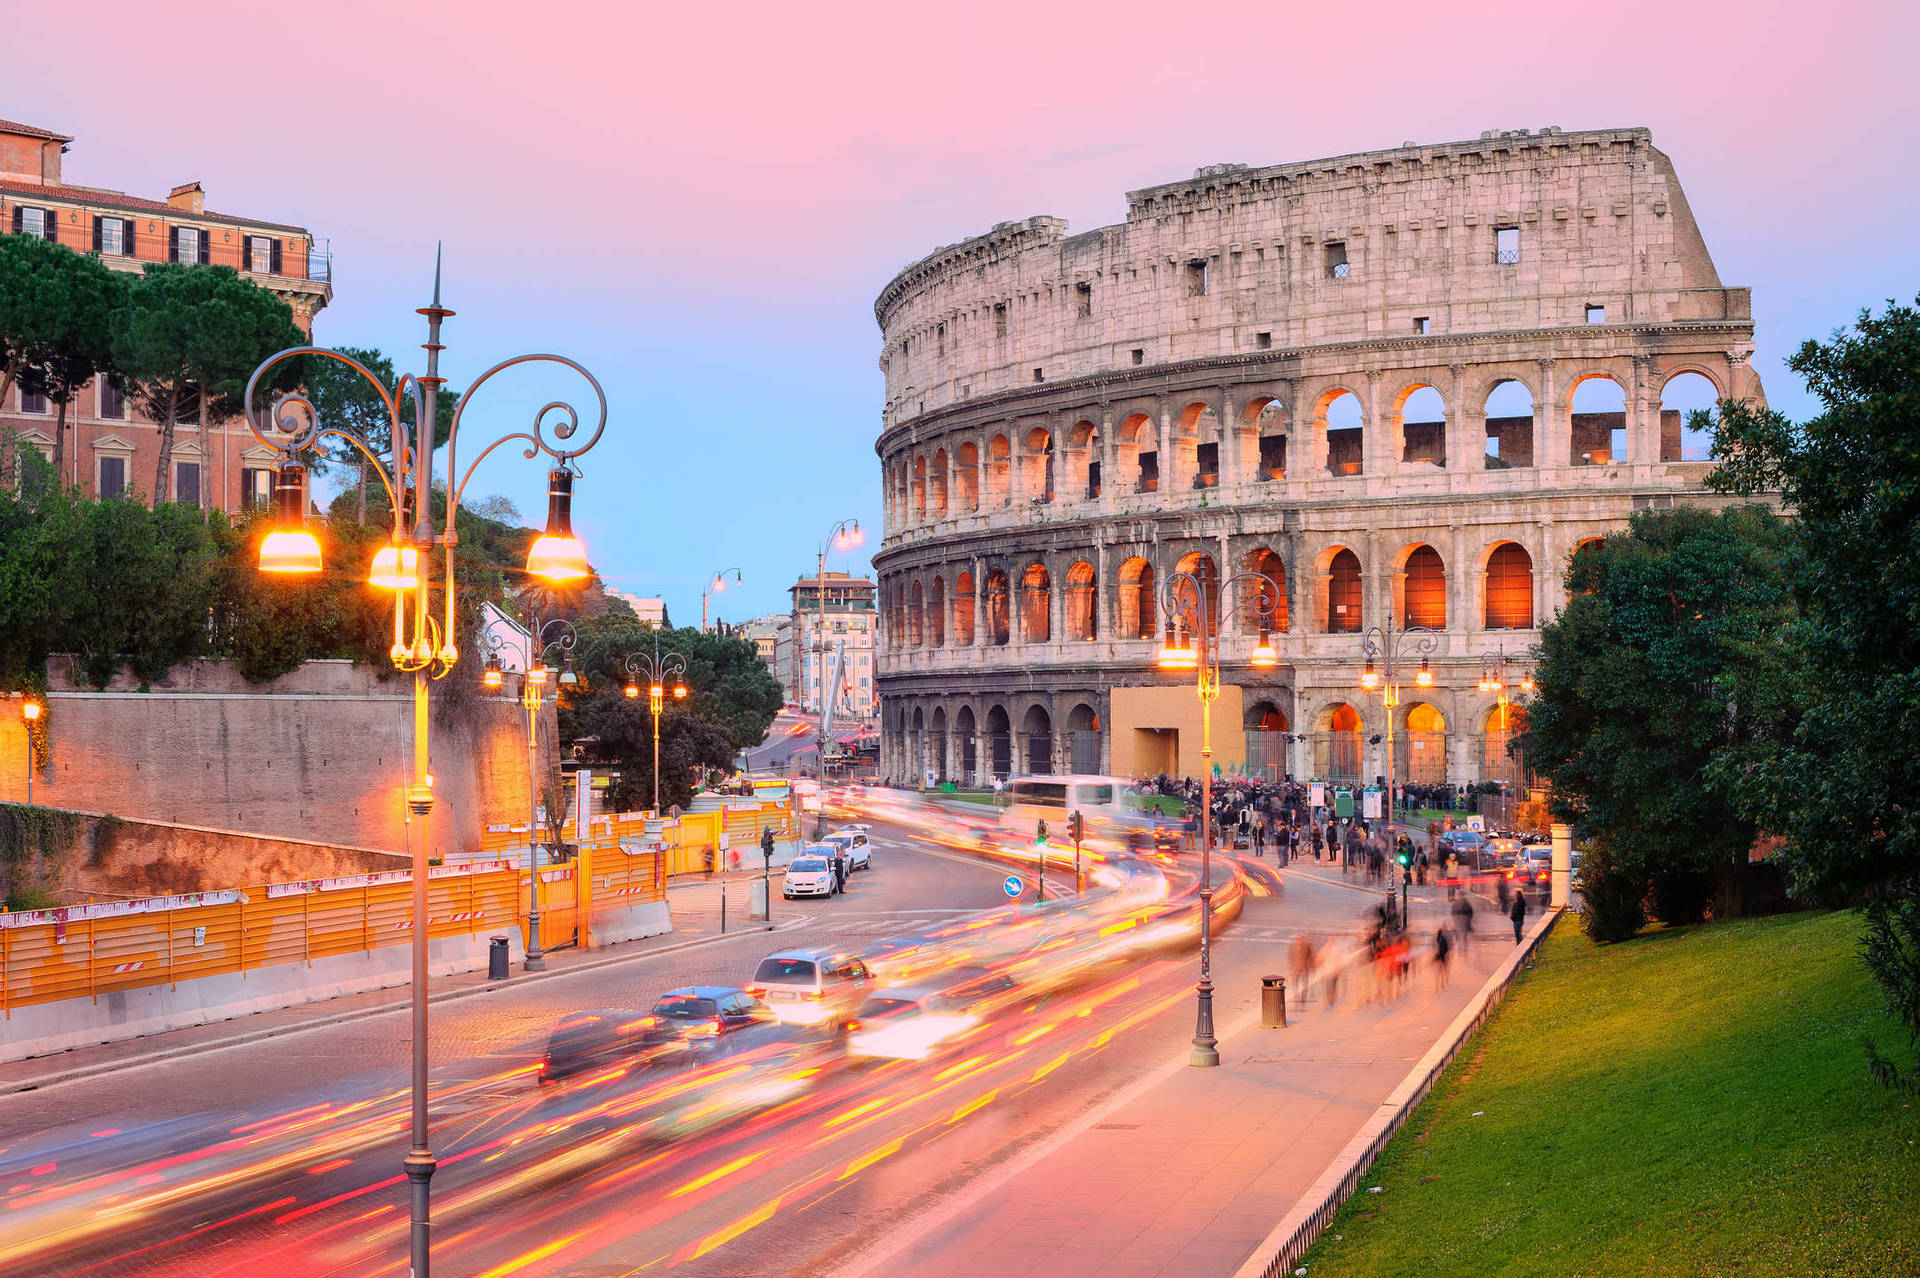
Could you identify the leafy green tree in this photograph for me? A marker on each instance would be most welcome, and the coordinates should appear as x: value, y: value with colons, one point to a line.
x: 1844, y: 787
x: 188, y: 340
x: 38, y: 521
x: 84, y: 300
x: 1656, y: 668
x: 29, y: 303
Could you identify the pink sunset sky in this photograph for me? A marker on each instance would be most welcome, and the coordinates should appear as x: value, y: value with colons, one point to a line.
x: 701, y: 201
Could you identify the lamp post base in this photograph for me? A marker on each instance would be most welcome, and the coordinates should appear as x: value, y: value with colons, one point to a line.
x: 420, y: 1165
x: 1206, y: 1050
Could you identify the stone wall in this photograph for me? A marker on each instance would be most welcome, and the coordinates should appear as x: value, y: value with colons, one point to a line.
x: 320, y: 754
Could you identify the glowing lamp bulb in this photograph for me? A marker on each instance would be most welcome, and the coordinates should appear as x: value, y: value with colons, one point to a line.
x: 557, y: 554
x: 632, y: 690
x: 1264, y: 655
x: 537, y: 676
x: 1424, y: 676
x: 493, y: 676
x: 396, y: 568
x: 679, y: 692
x: 30, y: 711
x: 1369, y: 678
x: 290, y: 547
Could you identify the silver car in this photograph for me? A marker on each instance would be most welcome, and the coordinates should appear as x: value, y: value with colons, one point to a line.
x: 812, y: 986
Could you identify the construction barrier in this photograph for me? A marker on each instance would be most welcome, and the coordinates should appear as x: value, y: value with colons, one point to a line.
x: 686, y: 838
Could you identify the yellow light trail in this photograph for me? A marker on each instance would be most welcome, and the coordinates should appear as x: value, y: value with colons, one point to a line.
x: 872, y: 1156
x: 701, y: 1182
x: 539, y: 1253
x: 721, y: 1237
x: 979, y: 1102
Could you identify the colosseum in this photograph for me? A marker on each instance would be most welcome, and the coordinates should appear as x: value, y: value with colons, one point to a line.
x: 1404, y: 386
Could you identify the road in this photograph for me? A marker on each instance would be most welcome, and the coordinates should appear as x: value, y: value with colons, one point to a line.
x: 282, y: 1156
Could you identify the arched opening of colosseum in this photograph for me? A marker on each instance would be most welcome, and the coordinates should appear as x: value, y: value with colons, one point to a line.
x: 1340, y: 419
x: 1509, y: 413
x: 937, y: 483
x: 1137, y: 611
x: 963, y: 609
x: 1081, y: 613
x: 1336, y: 743
x: 999, y: 472
x: 1509, y: 588
x: 1686, y: 398
x: 1422, y: 423
x: 1138, y: 453
x: 1206, y: 575
x: 1502, y: 736
x: 1598, y: 423
x: 1420, y: 748
x: 1083, y: 736
x: 1036, y: 604
x: 1083, y: 461
x: 937, y: 613
x: 1265, y: 426
x: 963, y: 728
x: 1037, y: 728
x: 937, y: 743
x: 1196, y: 448
x: 917, y: 745
x: 999, y: 742
x: 916, y: 615
x: 999, y: 618
x: 1263, y: 606
x: 1343, y: 593
x: 967, y: 473
x: 1036, y: 465
x: 919, y: 489
x: 1424, y: 589
x: 1267, y: 728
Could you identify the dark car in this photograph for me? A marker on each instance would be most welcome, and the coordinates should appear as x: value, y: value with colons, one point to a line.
x: 703, y: 1021
x: 1536, y: 866
x: 593, y: 1039
x: 1466, y: 846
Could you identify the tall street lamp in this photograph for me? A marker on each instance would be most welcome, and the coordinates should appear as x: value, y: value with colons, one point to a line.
x: 658, y: 667
x: 1391, y: 649
x: 716, y: 586
x: 30, y: 715
x: 425, y: 642
x: 1191, y: 644
x: 533, y: 690
x: 844, y: 535
x: 1494, y: 678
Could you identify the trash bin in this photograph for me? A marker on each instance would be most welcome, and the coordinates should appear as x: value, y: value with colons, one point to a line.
x: 497, y: 959
x: 1273, y: 1002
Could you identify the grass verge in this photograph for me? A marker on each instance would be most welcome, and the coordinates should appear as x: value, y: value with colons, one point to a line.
x: 1693, y: 1102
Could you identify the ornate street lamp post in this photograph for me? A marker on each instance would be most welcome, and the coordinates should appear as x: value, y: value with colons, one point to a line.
x: 1189, y: 612
x: 424, y: 638
x: 1495, y: 679
x: 30, y: 715
x: 1390, y: 648
x: 658, y: 667
x: 533, y: 690
x: 716, y: 586
x: 844, y: 535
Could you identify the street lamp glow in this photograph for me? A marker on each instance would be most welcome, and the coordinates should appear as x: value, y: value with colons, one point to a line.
x: 1526, y: 682
x: 537, y: 675
x: 567, y: 677
x: 557, y: 554
x: 632, y: 690
x: 1264, y: 655
x: 395, y: 568
x: 290, y: 548
x: 1424, y: 676
x: 1369, y: 678
x: 30, y: 711
x: 493, y: 675
x: 679, y: 692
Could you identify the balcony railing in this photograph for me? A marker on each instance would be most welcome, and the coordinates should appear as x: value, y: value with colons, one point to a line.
x: 1506, y: 257
x: 320, y: 261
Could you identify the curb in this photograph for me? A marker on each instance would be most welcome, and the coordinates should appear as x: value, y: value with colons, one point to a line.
x: 1302, y: 1226
x: 80, y: 1073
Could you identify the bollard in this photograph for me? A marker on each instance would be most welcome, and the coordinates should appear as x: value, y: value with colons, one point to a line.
x: 497, y: 958
x: 1273, y: 1002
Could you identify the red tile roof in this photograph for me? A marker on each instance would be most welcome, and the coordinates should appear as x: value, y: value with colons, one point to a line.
x: 117, y: 200
x: 32, y: 131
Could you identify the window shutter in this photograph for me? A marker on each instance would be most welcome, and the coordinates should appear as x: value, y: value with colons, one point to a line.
x: 173, y: 243
x: 98, y: 222
x: 206, y: 243
x: 50, y: 225
x: 127, y: 240
x: 19, y: 216
x: 276, y: 257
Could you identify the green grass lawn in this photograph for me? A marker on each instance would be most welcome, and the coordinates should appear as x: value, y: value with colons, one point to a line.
x: 1692, y: 1102
x: 1166, y: 804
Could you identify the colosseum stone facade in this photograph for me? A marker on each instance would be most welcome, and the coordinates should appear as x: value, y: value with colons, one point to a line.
x: 1407, y: 383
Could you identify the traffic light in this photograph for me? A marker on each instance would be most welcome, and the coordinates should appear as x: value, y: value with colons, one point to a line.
x: 1040, y: 834
x: 1405, y: 857
x: 1076, y: 826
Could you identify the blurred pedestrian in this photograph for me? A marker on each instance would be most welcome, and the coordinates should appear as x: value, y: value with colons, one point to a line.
x: 1463, y: 920
x: 1301, y: 956
x: 1518, y: 914
x: 1442, y: 952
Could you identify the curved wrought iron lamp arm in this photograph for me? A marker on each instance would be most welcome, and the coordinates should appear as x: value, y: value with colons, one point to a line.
x: 1376, y: 645
x: 568, y: 637
x: 562, y: 431
x: 307, y: 434
x: 1181, y: 593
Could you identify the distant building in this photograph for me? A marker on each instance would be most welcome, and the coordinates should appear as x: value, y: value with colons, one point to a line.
x: 651, y: 609
x: 764, y: 634
x: 848, y: 625
x: 111, y: 448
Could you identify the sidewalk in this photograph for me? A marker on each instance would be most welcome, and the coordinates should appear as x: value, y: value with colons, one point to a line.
x: 695, y: 908
x: 1191, y: 1171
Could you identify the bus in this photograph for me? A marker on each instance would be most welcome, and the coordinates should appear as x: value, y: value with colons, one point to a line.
x: 1049, y: 798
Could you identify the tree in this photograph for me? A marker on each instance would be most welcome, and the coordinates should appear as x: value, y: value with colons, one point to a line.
x: 188, y: 340
x: 84, y: 300
x: 1843, y: 788
x: 29, y: 307
x: 342, y: 399
x: 1657, y: 667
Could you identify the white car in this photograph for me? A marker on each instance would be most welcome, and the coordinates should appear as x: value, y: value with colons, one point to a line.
x: 910, y: 1024
x: 854, y: 846
x: 808, y: 876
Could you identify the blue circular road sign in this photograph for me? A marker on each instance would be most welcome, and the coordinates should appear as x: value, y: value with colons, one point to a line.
x: 1013, y: 885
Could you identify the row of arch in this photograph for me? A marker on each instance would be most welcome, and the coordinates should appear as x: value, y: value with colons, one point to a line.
x: 1040, y: 465
x: 1006, y: 606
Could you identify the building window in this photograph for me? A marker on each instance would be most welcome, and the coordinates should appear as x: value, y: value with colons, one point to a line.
x: 187, y: 244
x: 1139, y: 356
x: 1273, y: 457
x: 1149, y: 473
x: 1039, y: 374
x: 32, y: 401
x: 263, y: 255
x: 1263, y: 341
x: 113, y: 478
x: 1506, y: 245
x: 1337, y: 259
x: 1596, y: 314
x: 110, y: 236
x: 256, y: 487
x: 186, y: 482
x: 1197, y: 278
x: 999, y: 319
x: 44, y: 223
x: 1422, y: 325
x: 113, y: 402
x: 1083, y: 299
x: 1093, y: 480
x: 1206, y: 466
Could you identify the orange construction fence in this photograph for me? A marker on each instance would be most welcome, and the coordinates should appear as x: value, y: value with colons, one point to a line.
x: 686, y: 838
x: 90, y: 950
